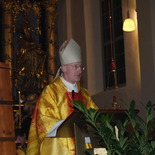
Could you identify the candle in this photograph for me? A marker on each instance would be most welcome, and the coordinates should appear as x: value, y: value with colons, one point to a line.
x: 19, y: 96
x: 20, y: 115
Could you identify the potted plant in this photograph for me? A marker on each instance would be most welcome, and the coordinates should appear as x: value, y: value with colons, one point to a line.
x: 117, y: 140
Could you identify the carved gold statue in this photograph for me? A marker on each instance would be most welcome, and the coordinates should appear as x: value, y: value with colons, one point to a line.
x: 30, y: 73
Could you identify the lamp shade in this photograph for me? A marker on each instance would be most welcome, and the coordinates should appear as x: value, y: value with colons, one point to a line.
x: 129, y: 25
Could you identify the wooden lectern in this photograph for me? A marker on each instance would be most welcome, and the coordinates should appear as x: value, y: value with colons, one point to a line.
x: 7, y: 135
x: 74, y: 126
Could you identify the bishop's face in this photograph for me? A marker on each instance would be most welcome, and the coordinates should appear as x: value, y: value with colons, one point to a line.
x: 72, y: 72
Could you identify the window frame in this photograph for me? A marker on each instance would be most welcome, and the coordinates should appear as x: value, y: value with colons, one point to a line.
x: 112, y: 36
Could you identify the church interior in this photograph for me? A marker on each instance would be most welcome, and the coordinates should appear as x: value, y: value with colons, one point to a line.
x: 120, y: 64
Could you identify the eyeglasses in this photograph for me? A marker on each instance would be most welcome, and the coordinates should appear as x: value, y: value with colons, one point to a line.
x: 76, y: 67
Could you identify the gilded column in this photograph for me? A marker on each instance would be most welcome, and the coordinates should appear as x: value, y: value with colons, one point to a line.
x: 7, y: 34
x: 50, y: 23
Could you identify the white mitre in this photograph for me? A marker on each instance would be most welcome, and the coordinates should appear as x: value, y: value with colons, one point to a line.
x: 70, y: 52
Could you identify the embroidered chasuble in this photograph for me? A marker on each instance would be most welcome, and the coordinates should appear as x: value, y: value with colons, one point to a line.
x: 54, y: 105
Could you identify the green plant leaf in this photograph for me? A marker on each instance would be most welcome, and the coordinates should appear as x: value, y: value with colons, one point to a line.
x: 149, y: 118
x: 140, y: 120
x: 149, y: 107
x: 80, y: 106
x: 153, y: 144
x: 121, y: 127
x: 133, y: 123
x: 93, y: 114
x: 109, y: 126
x: 145, y: 148
x: 132, y: 107
x: 123, y: 142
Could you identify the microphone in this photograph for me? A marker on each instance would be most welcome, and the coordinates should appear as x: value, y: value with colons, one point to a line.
x: 73, y: 94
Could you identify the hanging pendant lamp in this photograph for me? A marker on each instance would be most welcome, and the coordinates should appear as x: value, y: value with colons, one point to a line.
x: 129, y: 24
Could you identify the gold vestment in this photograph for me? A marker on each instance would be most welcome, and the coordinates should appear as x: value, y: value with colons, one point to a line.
x: 20, y: 151
x: 52, y: 106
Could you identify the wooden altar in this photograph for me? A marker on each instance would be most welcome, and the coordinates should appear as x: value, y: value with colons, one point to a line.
x: 7, y: 135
